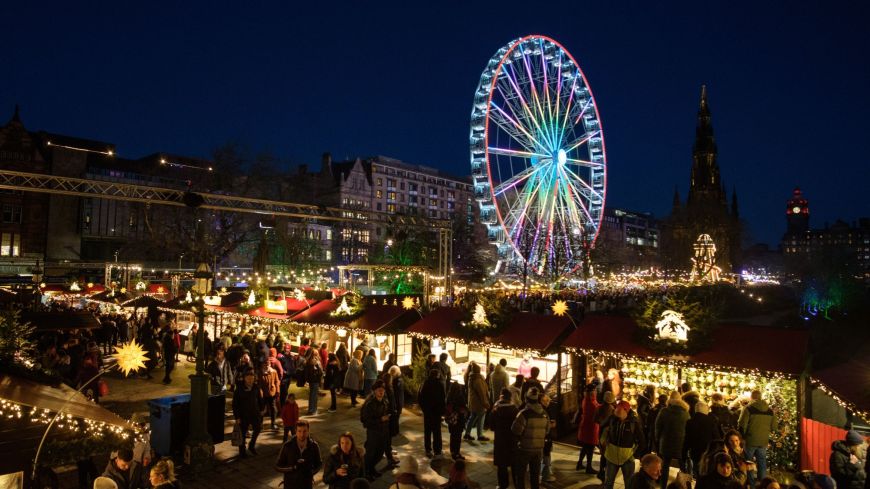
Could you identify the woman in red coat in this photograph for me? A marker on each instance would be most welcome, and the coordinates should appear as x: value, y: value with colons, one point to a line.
x: 587, y: 429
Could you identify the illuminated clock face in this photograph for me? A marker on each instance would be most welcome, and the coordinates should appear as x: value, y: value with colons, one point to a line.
x: 796, y: 210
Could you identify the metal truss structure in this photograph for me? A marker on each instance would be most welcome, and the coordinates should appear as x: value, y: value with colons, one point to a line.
x: 81, y: 187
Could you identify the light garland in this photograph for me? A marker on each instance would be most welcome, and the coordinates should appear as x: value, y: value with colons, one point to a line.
x: 88, y: 427
x: 818, y: 384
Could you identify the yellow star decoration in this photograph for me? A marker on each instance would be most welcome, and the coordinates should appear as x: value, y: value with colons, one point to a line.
x: 130, y: 357
x: 560, y: 308
x: 408, y: 303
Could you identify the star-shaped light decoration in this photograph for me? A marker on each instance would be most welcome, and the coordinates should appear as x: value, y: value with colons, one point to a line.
x: 299, y: 295
x: 560, y: 308
x: 408, y: 303
x: 130, y: 357
x: 160, y: 290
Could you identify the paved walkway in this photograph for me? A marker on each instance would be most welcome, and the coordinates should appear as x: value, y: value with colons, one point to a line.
x: 128, y: 396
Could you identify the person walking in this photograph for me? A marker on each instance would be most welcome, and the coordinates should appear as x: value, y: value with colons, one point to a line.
x: 247, y: 410
x: 270, y: 386
x: 375, y: 417
x: 391, y: 398
x: 353, y: 379
x: 701, y: 429
x: 621, y: 434
x: 645, y: 403
x: 847, y: 461
x: 478, y: 403
x: 649, y: 474
x: 503, y: 415
x: 343, y: 357
x: 531, y: 427
x: 124, y: 470
x: 344, y: 463
x: 289, y: 415
x: 314, y: 377
x: 671, y: 431
x: 299, y: 459
x: 456, y: 414
x: 587, y: 429
x: 331, y: 379
x: 370, y: 371
x: 723, y: 415
x: 756, y: 421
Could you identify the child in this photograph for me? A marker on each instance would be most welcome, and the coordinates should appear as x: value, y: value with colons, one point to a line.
x: 290, y: 415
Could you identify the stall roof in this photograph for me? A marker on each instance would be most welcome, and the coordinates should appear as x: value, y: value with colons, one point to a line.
x: 734, y: 345
x: 757, y: 347
x: 529, y: 331
x: 440, y: 323
x: 318, y: 314
x: 110, y: 296
x: 28, y: 392
x: 385, y: 319
x: 49, y: 321
x: 262, y: 313
x: 850, y: 381
x: 613, y: 334
x: 143, y: 302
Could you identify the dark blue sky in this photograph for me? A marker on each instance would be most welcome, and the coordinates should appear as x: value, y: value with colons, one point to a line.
x: 788, y: 85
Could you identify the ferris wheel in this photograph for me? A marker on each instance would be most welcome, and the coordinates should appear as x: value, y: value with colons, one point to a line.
x: 537, y: 156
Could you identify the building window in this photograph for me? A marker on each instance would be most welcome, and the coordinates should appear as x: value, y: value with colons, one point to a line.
x: 391, y: 183
x: 379, y: 194
x: 328, y: 254
x: 329, y: 234
x: 12, y: 214
x: 391, y: 195
x: 380, y: 182
x: 10, y: 244
x: 391, y: 207
x: 378, y: 206
x: 401, y: 185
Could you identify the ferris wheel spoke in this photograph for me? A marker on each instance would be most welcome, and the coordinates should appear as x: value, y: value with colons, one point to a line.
x: 580, y: 141
x: 514, y: 181
x: 518, y: 90
x: 585, y: 188
x: 516, y: 130
x: 587, y: 164
x: 579, y: 201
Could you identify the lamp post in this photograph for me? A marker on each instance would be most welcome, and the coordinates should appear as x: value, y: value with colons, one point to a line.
x: 199, y: 448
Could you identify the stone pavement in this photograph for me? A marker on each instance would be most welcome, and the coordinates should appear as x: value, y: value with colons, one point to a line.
x: 128, y: 396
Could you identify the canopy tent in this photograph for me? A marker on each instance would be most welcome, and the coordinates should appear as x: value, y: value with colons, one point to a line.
x: 385, y: 319
x: 49, y: 321
x: 19, y: 436
x: 143, y: 302
x: 319, y: 314
x: 439, y: 323
x: 111, y: 296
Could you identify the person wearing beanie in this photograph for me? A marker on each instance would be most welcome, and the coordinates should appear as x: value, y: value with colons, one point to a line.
x: 406, y: 476
x: 701, y: 429
x: 602, y: 414
x: 847, y: 462
x: 621, y: 435
x: 375, y: 417
x: 531, y: 427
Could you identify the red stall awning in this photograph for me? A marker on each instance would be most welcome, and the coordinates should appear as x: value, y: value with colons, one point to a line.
x: 528, y: 331
x: 385, y: 319
x: 614, y: 334
x: 757, y: 347
x: 440, y: 323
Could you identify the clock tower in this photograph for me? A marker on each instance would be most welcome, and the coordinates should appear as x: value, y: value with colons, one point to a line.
x: 797, y: 213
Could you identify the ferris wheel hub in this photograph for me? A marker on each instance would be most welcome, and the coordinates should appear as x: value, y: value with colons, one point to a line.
x: 561, y: 156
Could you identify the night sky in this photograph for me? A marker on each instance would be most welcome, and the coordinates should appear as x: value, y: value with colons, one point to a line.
x: 788, y: 84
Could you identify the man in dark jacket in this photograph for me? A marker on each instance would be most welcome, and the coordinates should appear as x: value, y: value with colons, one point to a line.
x: 126, y: 472
x: 299, y: 459
x: 671, y: 431
x: 847, y: 461
x: 701, y: 429
x: 650, y: 472
x: 248, y: 410
x: 620, y: 436
x: 531, y: 427
x: 504, y: 443
x: 532, y: 381
x: 170, y: 350
x: 723, y: 415
x: 432, y: 400
x: 375, y: 417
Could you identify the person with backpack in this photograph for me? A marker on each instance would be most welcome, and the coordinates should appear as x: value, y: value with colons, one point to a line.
x: 756, y: 422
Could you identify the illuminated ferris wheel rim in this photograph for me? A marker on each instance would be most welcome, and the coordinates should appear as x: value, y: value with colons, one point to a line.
x: 536, y: 45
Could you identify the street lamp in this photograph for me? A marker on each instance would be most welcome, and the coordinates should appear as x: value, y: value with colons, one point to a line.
x: 199, y: 448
